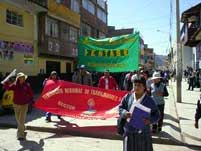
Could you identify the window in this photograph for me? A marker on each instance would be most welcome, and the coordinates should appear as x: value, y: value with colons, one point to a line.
x: 73, y: 34
x: 64, y: 2
x: 75, y: 6
x: 101, y: 3
x: 14, y: 18
x: 101, y: 15
x: 101, y: 35
x: 89, y: 6
x: 85, y: 30
x: 52, y: 27
x: 64, y: 31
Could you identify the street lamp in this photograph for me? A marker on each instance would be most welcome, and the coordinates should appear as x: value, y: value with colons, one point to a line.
x: 170, y: 41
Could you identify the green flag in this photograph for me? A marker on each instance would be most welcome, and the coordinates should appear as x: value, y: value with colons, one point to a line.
x: 118, y: 54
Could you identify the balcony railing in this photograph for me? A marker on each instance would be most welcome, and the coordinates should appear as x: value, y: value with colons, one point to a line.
x: 43, y: 3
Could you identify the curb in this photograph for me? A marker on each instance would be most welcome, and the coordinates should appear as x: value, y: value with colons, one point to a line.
x: 103, y: 135
x: 182, y: 134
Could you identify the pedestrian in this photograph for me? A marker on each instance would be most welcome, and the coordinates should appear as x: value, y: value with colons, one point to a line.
x: 53, y: 76
x: 198, y: 113
x: 191, y: 81
x: 158, y: 92
x: 83, y: 77
x: 149, y: 81
x: 107, y: 81
x: 23, y: 96
x: 75, y: 74
x: 128, y: 85
x: 185, y: 74
x: 197, y: 78
x: 137, y: 139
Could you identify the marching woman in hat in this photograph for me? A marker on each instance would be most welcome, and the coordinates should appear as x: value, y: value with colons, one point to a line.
x: 23, y: 96
x: 158, y: 92
x: 53, y: 76
x: 137, y: 138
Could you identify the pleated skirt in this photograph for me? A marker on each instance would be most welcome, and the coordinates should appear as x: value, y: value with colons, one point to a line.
x: 137, y: 142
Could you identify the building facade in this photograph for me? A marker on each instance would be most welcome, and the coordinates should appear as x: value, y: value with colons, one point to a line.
x: 191, y: 34
x: 38, y: 36
x: 93, y: 18
x: 58, y: 36
x: 148, y: 58
x: 112, y: 32
x: 18, y: 34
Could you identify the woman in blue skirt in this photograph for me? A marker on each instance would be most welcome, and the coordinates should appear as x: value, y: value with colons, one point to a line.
x: 138, y: 138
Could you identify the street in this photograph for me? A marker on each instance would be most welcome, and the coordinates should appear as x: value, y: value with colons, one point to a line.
x: 39, y: 141
x: 80, y: 135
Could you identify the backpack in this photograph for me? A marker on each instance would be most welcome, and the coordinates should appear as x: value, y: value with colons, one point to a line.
x: 122, y: 121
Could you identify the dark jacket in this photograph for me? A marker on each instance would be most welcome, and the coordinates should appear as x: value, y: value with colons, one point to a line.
x: 198, y: 111
x: 126, y: 104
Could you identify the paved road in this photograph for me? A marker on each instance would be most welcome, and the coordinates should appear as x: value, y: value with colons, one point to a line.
x: 39, y: 141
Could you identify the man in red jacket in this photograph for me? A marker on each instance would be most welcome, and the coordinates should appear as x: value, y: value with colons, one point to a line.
x: 107, y: 81
x: 23, y: 96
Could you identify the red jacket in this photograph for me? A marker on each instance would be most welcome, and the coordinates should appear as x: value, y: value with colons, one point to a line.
x: 112, y: 84
x: 23, y: 93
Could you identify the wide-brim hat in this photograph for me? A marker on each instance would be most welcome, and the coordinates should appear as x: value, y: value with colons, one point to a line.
x: 21, y: 74
x: 82, y: 66
x: 156, y: 75
x: 53, y: 73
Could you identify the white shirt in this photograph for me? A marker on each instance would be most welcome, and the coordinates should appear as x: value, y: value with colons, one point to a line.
x: 106, y: 83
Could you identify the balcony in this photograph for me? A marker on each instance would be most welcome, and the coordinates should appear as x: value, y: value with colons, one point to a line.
x: 33, y: 6
x: 191, y: 30
x: 190, y: 34
x: 56, y: 47
x: 42, y: 3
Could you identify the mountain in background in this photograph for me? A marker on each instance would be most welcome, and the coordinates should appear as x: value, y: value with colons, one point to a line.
x: 160, y: 60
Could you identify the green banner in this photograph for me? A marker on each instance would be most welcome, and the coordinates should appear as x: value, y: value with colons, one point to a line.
x: 118, y: 54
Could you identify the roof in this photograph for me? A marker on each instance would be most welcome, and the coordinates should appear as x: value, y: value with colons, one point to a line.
x: 191, y: 11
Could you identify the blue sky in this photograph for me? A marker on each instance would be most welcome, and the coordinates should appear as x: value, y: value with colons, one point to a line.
x: 147, y: 16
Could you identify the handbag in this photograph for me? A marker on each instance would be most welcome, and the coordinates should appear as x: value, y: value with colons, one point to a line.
x: 120, y: 125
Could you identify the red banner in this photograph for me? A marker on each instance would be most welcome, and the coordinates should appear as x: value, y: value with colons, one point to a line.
x: 79, y: 101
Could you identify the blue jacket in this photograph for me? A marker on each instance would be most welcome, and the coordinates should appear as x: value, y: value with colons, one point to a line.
x: 148, y: 102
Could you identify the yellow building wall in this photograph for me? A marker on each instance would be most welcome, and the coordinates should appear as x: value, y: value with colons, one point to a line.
x: 11, y: 32
x: 26, y: 33
x: 42, y: 64
x: 63, y: 13
x: 14, y: 33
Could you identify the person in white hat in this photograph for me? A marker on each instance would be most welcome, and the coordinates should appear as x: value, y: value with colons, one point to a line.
x: 158, y: 92
x: 23, y: 96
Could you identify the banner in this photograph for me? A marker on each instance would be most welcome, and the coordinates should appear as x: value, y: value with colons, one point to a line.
x: 118, y: 54
x: 79, y: 101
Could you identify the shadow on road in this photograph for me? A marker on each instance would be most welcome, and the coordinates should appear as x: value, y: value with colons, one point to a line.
x: 31, y: 145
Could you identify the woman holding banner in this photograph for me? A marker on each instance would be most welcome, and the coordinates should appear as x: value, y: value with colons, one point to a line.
x: 136, y: 103
x: 53, y: 76
x: 23, y: 96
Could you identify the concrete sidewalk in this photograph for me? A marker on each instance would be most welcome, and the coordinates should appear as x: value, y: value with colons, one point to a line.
x: 186, y: 113
x: 171, y: 133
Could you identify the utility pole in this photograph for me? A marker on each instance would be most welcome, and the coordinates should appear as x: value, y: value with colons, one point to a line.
x: 179, y: 60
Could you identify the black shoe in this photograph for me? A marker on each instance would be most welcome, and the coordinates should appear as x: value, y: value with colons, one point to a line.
x: 59, y: 117
x: 48, y: 119
x: 21, y: 139
x: 159, y: 129
x: 154, y: 131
